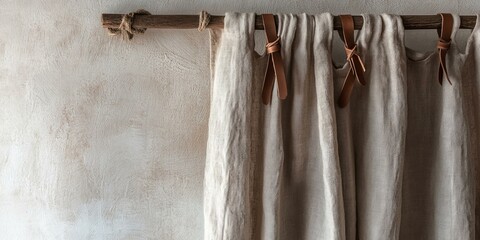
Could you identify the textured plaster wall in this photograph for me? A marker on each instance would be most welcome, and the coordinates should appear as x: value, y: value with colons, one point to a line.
x: 105, y: 139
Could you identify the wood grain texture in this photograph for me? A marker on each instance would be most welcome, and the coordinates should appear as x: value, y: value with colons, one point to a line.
x: 191, y: 21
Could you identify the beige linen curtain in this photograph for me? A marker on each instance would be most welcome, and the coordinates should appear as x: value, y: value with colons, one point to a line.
x: 399, y: 162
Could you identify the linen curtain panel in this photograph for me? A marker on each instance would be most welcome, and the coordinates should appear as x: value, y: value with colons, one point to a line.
x: 399, y: 162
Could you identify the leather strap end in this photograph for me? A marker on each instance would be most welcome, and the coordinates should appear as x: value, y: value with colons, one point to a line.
x: 359, y: 69
x: 347, y: 88
x: 442, y: 72
x: 268, y: 82
x: 440, y: 75
x: 282, y: 95
x: 281, y: 80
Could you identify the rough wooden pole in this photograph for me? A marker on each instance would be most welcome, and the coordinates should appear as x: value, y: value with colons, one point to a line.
x: 191, y: 21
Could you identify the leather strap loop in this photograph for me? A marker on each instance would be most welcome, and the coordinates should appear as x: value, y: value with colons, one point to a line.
x: 443, y: 45
x: 273, y: 46
x: 357, y: 67
x: 275, y: 62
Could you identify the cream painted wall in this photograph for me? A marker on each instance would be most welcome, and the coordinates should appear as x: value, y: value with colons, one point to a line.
x: 105, y: 139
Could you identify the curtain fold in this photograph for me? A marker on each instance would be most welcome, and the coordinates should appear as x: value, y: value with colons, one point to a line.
x: 439, y: 182
x: 228, y: 186
x: 371, y: 130
x: 399, y: 162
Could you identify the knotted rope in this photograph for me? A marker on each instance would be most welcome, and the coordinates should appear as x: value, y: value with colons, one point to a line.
x: 125, y: 28
x: 203, y: 21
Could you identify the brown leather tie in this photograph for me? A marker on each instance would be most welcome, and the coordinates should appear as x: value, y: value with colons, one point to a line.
x: 443, y: 44
x: 357, y: 68
x: 275, y: 62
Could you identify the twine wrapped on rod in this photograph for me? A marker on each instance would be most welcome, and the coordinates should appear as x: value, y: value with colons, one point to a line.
x: 126, y: 28
x: 203, y: 21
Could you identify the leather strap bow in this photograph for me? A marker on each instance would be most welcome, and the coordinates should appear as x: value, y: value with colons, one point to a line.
x: 275, y: 62
x: 357, y: 67
x: 443, y: 44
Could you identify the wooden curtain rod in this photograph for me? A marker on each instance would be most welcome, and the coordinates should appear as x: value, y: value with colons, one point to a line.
x: 191, y: 21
